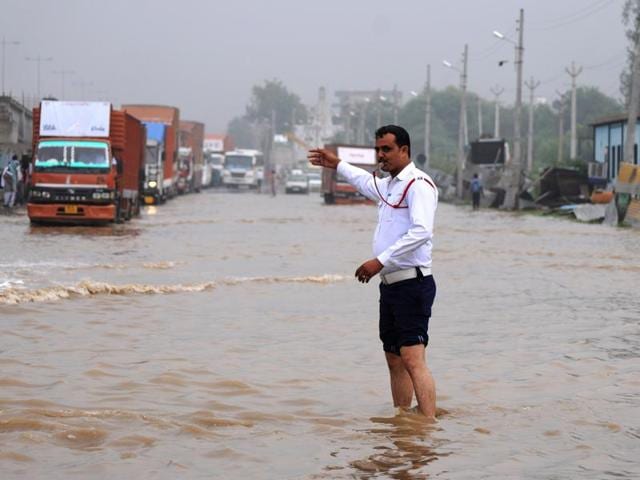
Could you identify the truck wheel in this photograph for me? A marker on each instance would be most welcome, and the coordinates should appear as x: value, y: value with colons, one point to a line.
x: 329, y: 199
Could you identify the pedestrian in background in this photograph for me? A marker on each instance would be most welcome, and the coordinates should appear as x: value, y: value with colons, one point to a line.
x: 9, y: 180
x: 407, y: 201
x: 476, y: 191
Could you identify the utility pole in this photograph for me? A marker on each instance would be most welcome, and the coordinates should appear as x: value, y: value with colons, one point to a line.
x: 497, y: 91
x: 462, y: 124
x: 632, y: 108
x: 5, y: 42
x: 63, y: 74
x: 38, y: 61
x: 513, y: 190
x: 427, y: 121
x: 561, y: 105
x: 379, y: 99
x: 531, y: 85
x: 574, y: 72
x: 479, y: 117
x: 395, y: 104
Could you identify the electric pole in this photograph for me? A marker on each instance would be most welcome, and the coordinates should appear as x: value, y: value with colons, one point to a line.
x: 574, y: 72
x: 462, y: 125
x: 561, y: 105
x: 497, y: 91
x: 63, y: 74
x: 531, y: 85
x: 38, y: 61
x: 513, y: 190
x: 632, y: 115
x: 427, y: 121
x: 479, y: 117
x: 5, y: 42
x: 395, y: 104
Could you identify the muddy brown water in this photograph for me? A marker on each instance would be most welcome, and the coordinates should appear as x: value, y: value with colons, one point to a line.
x: 223, y: 336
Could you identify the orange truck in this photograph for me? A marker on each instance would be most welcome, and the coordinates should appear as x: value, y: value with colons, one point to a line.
x: 336, y: 189
x: 190, y: 156
x: 88, y: 163
x: 161, y: 158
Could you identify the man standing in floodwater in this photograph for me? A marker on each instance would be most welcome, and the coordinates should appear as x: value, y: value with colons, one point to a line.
x: 402, y: 243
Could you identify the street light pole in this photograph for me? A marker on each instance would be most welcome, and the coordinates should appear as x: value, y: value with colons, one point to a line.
x: 497, y: 91
x: 38, y: 61
x: 427, y: 121
x: 5, y: 42
x: 63, y: 73
x: 463, y: 117
x: 532, y: 85
x: 515, y: 170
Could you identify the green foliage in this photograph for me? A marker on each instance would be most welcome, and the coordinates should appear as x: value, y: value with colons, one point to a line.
x: 274, y: 101
x: 591, y: 105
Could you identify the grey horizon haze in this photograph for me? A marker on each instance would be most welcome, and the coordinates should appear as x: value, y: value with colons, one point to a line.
x: 205, y: 56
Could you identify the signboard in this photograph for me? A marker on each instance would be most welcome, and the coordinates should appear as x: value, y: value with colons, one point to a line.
x: 214, y: 144
x: 358, y: 156
x: 74, y: 119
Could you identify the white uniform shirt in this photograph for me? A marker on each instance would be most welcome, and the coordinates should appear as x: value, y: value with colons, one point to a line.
x: 403, y: 237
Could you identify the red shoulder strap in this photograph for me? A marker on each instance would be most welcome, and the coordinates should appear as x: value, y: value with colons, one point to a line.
x: 406, y: 190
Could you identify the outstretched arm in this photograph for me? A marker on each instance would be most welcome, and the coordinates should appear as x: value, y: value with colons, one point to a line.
x: 321, y: 157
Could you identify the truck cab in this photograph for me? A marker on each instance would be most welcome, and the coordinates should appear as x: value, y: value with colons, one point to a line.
x: 243, y: 167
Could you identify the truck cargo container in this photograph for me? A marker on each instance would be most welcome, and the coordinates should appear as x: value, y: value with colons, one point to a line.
x: 87, y: 165
x: 334, y: 188
x: 161, y: 167
x: 190, y: 156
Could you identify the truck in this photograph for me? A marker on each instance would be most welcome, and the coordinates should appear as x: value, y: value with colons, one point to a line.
x: 161, y: 159
x: 190, y: 156
x: 243, y: 167
x: 215, y: 146
x: 334, y: 188
x: 487, y: 158
x: 87, y: 164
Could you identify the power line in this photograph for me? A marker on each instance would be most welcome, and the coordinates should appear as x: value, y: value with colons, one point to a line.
x: 578, y: 17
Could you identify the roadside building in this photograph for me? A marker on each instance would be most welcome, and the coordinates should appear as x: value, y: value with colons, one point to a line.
x: 608, y: 143
x: 15, y: 129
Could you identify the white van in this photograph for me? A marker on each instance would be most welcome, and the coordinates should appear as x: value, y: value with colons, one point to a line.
x: 243, y: 167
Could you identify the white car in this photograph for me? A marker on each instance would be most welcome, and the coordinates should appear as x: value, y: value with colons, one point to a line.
x: 314, y: 181
x: 297, y: 183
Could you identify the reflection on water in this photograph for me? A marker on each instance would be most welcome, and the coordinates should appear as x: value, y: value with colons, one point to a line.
x: 225, y: 333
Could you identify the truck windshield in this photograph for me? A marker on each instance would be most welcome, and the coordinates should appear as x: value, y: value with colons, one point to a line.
x: 151, y: 154
x: 238, y: 161
x: 71, y: 154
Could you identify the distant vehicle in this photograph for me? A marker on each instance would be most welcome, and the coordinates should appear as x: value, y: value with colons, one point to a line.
x: 214, y: 164
x: 297, y: 182
x: 487, y: 158
x: 315, y: 181
x: 243, y: 168
x: 336, y: 189
x: 190, y: 156
x: 161, y: 169
x: 88, y: 164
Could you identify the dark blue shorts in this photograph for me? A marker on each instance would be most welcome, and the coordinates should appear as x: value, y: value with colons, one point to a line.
x: 405, y: 309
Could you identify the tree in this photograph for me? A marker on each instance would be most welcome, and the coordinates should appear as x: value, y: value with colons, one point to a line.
x: 274, y: 101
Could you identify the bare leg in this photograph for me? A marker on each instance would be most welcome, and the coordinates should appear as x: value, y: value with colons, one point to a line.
x: 401, y: 386
x: 414, y: 361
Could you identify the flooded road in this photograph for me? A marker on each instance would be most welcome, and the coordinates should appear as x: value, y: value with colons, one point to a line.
x: 222, y: 335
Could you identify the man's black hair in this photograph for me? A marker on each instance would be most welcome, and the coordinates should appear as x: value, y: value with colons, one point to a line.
x: 402, y: 136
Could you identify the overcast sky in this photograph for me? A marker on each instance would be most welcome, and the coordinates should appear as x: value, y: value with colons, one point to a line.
x: 204, y: 56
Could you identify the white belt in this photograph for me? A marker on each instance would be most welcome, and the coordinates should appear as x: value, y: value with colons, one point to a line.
x: 406, y: 274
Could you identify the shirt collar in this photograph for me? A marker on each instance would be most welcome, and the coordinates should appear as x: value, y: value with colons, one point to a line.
x: 406, y: 172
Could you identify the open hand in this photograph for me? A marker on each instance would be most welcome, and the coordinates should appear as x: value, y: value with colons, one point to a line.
x: 321, y: 157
